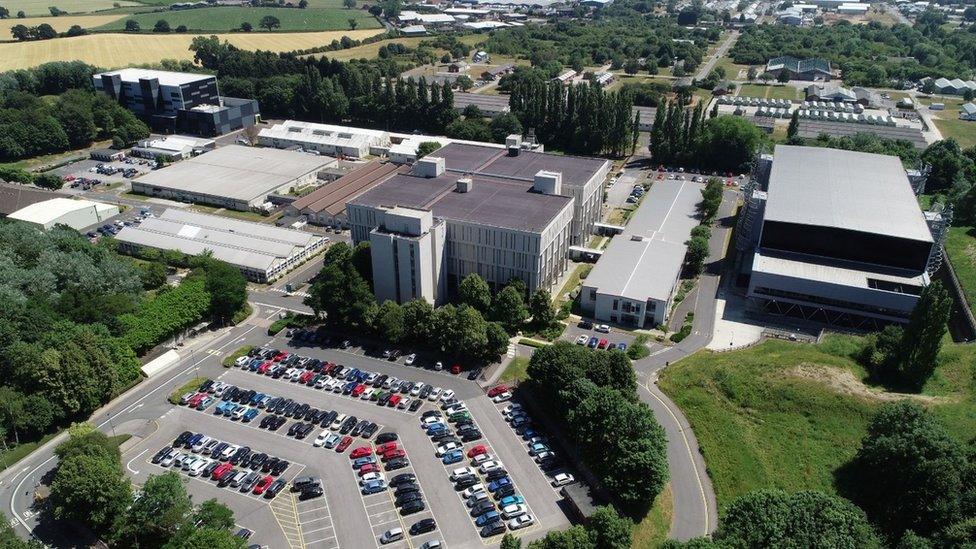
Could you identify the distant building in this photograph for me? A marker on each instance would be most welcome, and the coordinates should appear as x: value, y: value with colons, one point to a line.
x: 327, y: 205
x: 414, y: 30
x: 565, y: 77
x: 172, y: 147
x: 76, y: 214
x: 174, y: 102
x: 262, y: 252
x: 967, y: 111
x: 955, y: 86
x: 324, y: 138
x: 495, y: 73
x: 830, y: 93
x: 790, y: 16
x: 107, y: 155
x: 800, y: 69
x: 491, y: 105
x: 853, y: 9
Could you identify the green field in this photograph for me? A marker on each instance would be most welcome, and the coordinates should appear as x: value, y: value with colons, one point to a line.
x: 960, y: 246
x: 230, y: 18
x: 40, y: 7
x: 770, y: 92
x: 963, y: 131
x: 786, y: 415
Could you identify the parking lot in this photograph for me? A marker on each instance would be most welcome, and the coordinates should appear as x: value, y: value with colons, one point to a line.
x: 344, y: 517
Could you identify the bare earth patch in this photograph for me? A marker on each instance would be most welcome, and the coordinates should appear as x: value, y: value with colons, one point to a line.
x: 845, y: 382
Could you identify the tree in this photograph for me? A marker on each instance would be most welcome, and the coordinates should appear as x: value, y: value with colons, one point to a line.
x: 269, y: 22
x: 751, y: 74
x: 349, y: 4
x: 773, y: 518
x: 389, y: 322
x: 227, y: 288
x: 783, y: 76
x: 48, y: 181
x: 509, y: 309
x: 21, y: 14
x: 909, y: 474
x: 969, y: 14
x: 575, y: 537
x: 541, y: 309
x: 608, y: 530
x: 469, y: 130
x: 923, y: 335
x: 152, y: 274
x: 90, y: 490
x: 132, y: 26
x: 510, y: 542
x: 947, y: 163
x: 631, y: 66
x: 55, y: 11
x: 766, y: 77
x: 496, y: 341
x: 156, y: 515
x: 729, y: 143
x: 697, y: 254
x: 427, y: 147
x: 214, y: 515
x: 352, y: 23
x: 20, y: 32
x: 207, y: 538
x: 161, y: 26
x: 4, y: 13
x: 472, y: 111
x: 418, y: 319
x: 794, y: 128
x: 246, y: 27
x: 75, y: 30
x: 504, y: 125
x: 474, y: 291
x: 181, y: 28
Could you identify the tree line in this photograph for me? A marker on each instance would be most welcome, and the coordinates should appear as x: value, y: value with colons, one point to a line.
x: 593, y: 396
x: 685, y: 137
x: 90, y: 487
x: 582, y: 119
x: 31, y: 125
x: 74, y: 317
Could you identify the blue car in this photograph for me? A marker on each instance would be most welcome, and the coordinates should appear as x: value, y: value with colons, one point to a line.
x: 530, y: 433
x: 453, y: 456
x: 435, y: 429
x: 363, y: 461
x: 230, y: 409
x: 373, y: 487
x: 352, y: 375
x: 622, y: 346
x: 219, y: 409
x: 496, y: 485
x: 256, y: 398
x: 255, y: 364
x: 510, y: 500
x: 250, y: 414
x: 349, y: 387
x: 593, y: 342
x: 487, y: 518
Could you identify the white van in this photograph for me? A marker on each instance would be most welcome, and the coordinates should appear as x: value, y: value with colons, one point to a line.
x: 391, y: 535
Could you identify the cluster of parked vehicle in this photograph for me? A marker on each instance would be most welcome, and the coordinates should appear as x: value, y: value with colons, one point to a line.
x: 307, y: 487
x: 635, y: 194
x: 111, y: 229
x: 391, y: 457
x: 537, y: 443
x: 366, y: 461
x: 385, y: 390
x: 596, y: 342
x: 230, y: 465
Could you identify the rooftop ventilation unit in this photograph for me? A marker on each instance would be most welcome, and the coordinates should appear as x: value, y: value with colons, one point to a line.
x: 464, y: 185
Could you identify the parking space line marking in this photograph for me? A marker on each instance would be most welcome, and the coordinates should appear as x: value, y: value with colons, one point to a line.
x: 320, y: 530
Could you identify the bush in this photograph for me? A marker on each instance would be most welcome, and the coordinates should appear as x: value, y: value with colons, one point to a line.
x: 685, y: 330
x: 532, y: 343
x: 231, y: 358
x: 192, y: 385
x: 638, y: 349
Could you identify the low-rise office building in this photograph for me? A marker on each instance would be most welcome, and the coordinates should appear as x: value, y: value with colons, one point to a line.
x: 340, y: 141
x: 233, y: 176
x: 825, y: 248
x: 76, y: 214
x: 467, y: 209
x: 634, y: 281
x: 172, y: 147
x: 262, y: 252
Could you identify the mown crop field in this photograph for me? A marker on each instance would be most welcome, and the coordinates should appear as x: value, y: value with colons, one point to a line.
x: 226, y: 19
x: 60, y: 24
x: 40, y: 7
x: 117, y: 50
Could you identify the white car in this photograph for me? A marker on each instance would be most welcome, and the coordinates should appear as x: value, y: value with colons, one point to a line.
x: 435, y: 394
x: 430, y: 420
x: 602, y: 328
x: 481, y: 458
x: 562, y: 479
x: 461, y: 472
x: 477, y: 498
x: 417, y: 388
x: 199, y: 466
x: 229, y: 451
x: 320, y: 440
x: 438, y: 366
x: 332, y: 439
x: 239, y: 412
x: 404, y: 402
x: 370, y: 476
x: 514, y: 510
x: 200, y: 444
x: 168, y: 460
x: 411, y: 358
x: 581, y: 340
x: 242, y: 360
x: 520, y: 522
x: 501, y: 397
x: 511, y: 408
x: 459, y: 407
x: 447, y: 395
x: 445, y: 448
x: 489, y: 466
x: 189, y: 461
x: 321, y: 384
x: 432, y: 544
x: 466, y: 494
x: 543, y: 456
x: 367, y: 393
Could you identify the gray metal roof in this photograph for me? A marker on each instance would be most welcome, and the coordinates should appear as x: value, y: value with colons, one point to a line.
x: 237, y: 172
x: 494, y: 102
x: 576, y: 170
x: 645, y: 260
x: 813, y: 128
x: 240, y: 243
x: 850, y: 190
x: 821, y: 271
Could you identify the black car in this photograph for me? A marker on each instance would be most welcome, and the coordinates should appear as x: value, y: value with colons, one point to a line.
x: 403, y: 478
x: 304, y: 431
x: 268, y: 464
x: 225, y: 480
x: 471, y: 436
x: 396, y: 463
x: 425, y: 392
x: 218, y: 450
x: 161, y: 454
x: 383, y: 438
x: 279, y: 467
x: 273, y: 490
x: 473, y: 374
x: 257, y: 461
x: 550, y: 465
x: 465, y: 482
x: 504, y: 491
x: 430, y: 413
x: 370, y: 430
x: 416, y: 404
x: 279, y: 421
x: 384, y: 399
x: 205, y: 386
x: 209, y: 469
x: 282, y: 404
x: 405, y: 489
x: 444, y: 439
x: 289, y: 410
x: 496, y: 474
x: 300, y: 410
x: 481, y: 508
x: 493, y: 529
x: 423, y: 526
x: 294, y: 428
x: 240, y: 455
x: 181, y: 440
x: 407, y: 498
x: 379, y: 381
x: 415, y: 506
x: 358, y: 429
x: 585, y: 324
x: 328, y: 419
x: 309, y: 493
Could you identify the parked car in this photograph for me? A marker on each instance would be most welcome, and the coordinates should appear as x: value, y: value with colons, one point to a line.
x: 562, y: 479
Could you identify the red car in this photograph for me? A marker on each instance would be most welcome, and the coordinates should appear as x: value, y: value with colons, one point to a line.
x: 398, y: 453
x: 263, y: 484
x: 329, y: 366
x: 385, y: 447
x: 394, y: 400
x: 359, y: 452
x: 221, y: 470
x: 497, y: 390
x: 303, y: 379
x: 343, y: 444
x: 280, y: 356
x: 358, y: 390
x: 369, y: 468
x: 263, y: 368
x: 456, y: 369
x: 195, y: 400
x: 477, y: 450
x: 602, y: 344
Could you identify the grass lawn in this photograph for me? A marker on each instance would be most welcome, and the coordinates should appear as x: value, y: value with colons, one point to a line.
x: 515, y: 369
x: 578, y: 274
x: 653, y: 529
x: 960, y: 246
x: 732, y: 69
x: 189, y: 386
x: 770, y: 92
x: 963, y: 131
x: 228, y: 361
x: 786, y: 415
x: 118, y: 50
x: 230, y: 18
x: 40, y: 7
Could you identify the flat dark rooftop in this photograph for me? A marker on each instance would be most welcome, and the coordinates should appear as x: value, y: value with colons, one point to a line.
x: 14, y: 197
x: 576, y: 170
x: 492, y: 201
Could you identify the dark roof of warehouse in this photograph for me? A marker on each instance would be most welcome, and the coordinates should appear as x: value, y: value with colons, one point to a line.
x: 14, y: 197
x: 461, y: 157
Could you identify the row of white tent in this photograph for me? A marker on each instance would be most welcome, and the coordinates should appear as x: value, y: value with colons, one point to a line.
x: 833, y: 106
x: 754, y: 101
x: 876, y: 120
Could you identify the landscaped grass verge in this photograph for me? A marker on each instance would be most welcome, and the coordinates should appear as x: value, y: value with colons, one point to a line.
x: 189, y: 386
x: 20, y: 451
x: 229, y: 359
x: 960, y: 246
x: 241, y: 315
x: 531, y: 343
x: 685, y: 330
x: 653, y: 530
x: 516, y: 369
